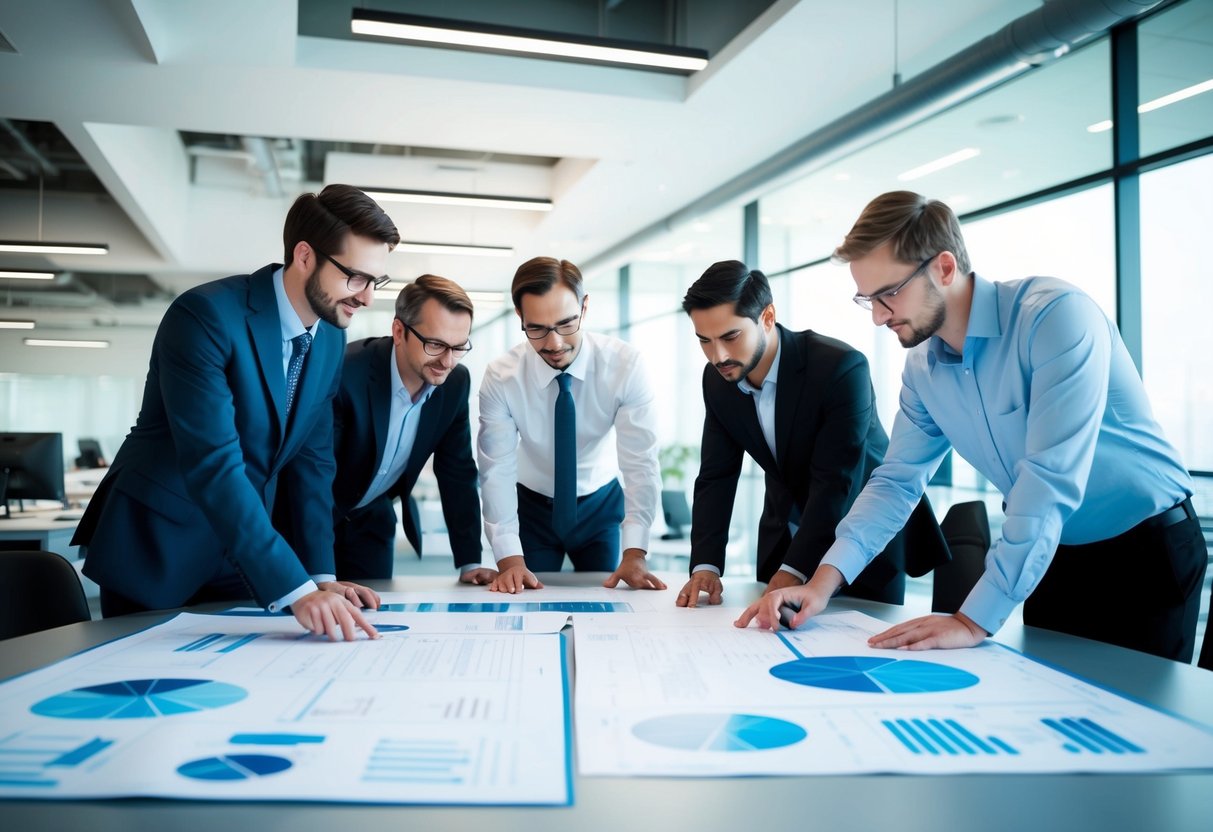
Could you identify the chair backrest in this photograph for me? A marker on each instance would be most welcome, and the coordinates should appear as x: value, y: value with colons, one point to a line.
x: 38, y: 590
x: 966, y: 528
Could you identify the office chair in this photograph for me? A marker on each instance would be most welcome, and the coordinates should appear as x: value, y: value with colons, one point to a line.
x: 966, y: 528
x: 38, y: 590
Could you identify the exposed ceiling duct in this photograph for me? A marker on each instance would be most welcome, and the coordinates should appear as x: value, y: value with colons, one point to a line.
x: 1025, y: 43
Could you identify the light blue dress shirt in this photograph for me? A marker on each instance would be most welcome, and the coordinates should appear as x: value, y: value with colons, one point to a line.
x: 291, y: 326
x: 1047, y: 404
x: 401, y: 433
x: 764, y: 398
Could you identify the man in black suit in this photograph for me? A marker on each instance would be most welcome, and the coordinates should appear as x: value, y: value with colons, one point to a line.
x: 802, y: 406
x: 402, y: 399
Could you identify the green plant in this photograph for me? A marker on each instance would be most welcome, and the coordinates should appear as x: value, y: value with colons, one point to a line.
x: 673, y: 460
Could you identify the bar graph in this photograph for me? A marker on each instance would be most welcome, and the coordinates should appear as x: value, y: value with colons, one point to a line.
x: 30, y: 759
x: 1081, y: 735
x: 944, y: 737
x: 514, y: 607
x: 418, y: 761
x: 218, y: 643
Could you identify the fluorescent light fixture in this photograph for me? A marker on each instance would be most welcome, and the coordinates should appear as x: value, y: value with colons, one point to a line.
x: 939, y: 164
x: 16, y: 324
x: 1158, y: 103
x: 39, y: 247
x: 64, y: 342
x: 488, y: 300
x: 517, y: 203
x: 389, y: 292
x: 1178, y: 95
x: 454, y: 248
x: 435, y: 31
x: 22, y: 274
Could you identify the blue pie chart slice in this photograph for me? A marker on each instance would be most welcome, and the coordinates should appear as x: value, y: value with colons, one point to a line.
x: 140, y: 699
x: 719, y: 732
x: 865, y: 674
x: 233, y: 767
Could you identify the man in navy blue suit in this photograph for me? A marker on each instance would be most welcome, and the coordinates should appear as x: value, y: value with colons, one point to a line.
x: 236, y: 431
x: 404, y: 399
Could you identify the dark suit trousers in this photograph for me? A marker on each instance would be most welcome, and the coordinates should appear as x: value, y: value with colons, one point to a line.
x: 365, y: 541
x: 1139, y: 590
x: 592, y: 546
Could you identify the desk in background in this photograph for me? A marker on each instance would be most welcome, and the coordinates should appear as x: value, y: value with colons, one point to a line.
x: 51, y: 530
x: 990, y: 803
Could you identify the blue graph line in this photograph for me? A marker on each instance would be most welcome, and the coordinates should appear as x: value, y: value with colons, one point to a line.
x: 788, y: 644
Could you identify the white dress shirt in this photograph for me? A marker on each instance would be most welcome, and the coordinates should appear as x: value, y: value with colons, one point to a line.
x: 517, y: 425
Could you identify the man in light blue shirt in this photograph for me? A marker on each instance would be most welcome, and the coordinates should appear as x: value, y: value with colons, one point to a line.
x: 1032, y: 384
x: 403, y: 400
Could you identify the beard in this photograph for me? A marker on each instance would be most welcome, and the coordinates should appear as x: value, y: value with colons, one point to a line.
x: 748, y: 366
x: 324, y: 306
x: 936, y: 310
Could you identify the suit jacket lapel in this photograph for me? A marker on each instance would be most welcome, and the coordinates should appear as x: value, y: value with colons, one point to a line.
x: 266, y: 332
x: 379, y: 403
x: 787, y: 390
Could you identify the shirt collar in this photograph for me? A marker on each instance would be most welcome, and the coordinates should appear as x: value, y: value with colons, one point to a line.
x: 398, y: 388
x: 545, y: 374
x: 984, y: 322
x: 772, y: 376
x: 288, y: 318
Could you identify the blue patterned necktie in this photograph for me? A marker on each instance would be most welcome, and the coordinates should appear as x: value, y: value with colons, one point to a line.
x: 299, y: 347
x: 564, y: 500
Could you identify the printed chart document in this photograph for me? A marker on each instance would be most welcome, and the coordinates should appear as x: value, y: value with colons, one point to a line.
x: 251, y: 708
x: 575, y: 600
x: 658, y: 697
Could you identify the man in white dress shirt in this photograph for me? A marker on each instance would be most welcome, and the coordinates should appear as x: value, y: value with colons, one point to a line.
x: 547, y: 409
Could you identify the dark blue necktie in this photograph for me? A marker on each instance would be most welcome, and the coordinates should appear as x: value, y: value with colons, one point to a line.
x: 299, y: 348
x: 564, y: 498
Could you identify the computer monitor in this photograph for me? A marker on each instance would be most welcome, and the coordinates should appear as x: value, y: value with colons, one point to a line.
x: 677, y: 513
x: 90, y: 454
x: 31, y: 467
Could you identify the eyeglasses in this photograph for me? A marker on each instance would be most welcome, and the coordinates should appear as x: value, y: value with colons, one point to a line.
x: 865, y: 301
x: 433, y: 346
x: 537, y: 332
x: 356, y: 281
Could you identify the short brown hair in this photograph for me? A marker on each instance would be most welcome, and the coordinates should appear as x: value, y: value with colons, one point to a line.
x: 448, y: 293
x: 322, y: 220
x: 917, y: 227
x: 538, y: 275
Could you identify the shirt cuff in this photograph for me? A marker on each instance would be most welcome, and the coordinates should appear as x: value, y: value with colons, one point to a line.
x: 987, y: 606
x: 506, y: 546
x: 292, y: 597
x: 706, y: 567
x: 847, y: 557
x: 323, y: 579
x: 785, y: 568
x: 633, y: 535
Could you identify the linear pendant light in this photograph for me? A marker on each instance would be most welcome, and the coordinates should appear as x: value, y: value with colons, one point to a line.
x: 66, y: 342
x: 518, y: 203
x: 16, y: 324
x: 436, y: 31
x: 25, y: 274
x: 454, y: 249
x: 39, y: 247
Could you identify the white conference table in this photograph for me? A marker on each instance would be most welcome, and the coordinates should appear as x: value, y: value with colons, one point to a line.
x: 988, y: 803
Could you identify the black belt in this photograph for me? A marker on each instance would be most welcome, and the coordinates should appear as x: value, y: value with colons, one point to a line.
x: 1176, y: 514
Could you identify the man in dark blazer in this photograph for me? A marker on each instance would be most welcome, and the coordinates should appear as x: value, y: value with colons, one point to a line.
x: 402, y: 400
x: 802, y: 406
x: 236, y: 429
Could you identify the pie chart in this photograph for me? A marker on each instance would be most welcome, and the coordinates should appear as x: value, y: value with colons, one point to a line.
x: 719, y: 732
x: 234, y: 767
x: 140, y: 699
x: 866, y: 674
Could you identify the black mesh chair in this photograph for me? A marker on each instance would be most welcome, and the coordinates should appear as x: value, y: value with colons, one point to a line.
x: 966, y: 528
x: 38, y: 590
